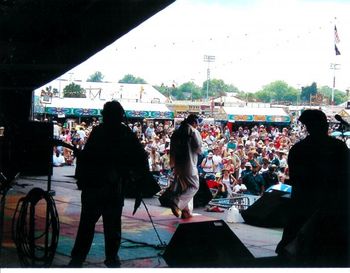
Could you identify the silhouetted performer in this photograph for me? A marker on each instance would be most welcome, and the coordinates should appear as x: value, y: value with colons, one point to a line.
x: 317, y: 233
x: 111, y: 154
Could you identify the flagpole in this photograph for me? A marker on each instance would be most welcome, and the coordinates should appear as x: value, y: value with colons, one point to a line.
x: 337, y: 52
x: 333, y: 66
x: 333, y: 86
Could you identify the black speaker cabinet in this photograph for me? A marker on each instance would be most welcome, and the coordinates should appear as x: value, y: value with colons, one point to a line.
x: 203, y: 195
x: 206, y: 244
x: 36, y: 148
x: 270, y: 210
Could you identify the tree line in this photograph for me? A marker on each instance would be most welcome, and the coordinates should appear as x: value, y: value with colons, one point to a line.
x: 277, y: 92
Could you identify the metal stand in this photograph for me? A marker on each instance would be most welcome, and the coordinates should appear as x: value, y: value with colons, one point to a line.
x: 162, y: 244
x: 51, y: 192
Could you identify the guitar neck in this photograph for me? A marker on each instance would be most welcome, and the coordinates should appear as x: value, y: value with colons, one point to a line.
x: 57, y: 142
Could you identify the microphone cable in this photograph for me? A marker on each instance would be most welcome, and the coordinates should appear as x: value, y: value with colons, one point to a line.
x: 36, y: 241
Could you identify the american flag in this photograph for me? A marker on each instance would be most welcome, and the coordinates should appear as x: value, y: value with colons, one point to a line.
x: 337, y: 52
x: 336, y: 36
x: 336, y: 40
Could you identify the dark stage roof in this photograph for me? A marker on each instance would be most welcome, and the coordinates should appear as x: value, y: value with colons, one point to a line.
x: 42, y: 39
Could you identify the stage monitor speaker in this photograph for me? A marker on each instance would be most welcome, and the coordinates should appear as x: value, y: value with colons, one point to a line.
x: 206, y: 244
x: 203, y: 195
x: 270, y: 210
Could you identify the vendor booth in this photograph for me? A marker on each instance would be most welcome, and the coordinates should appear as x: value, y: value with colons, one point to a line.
x: 73, y: 107
x: 252, y: 115
x: 147, y: 110
x: 83, y: 107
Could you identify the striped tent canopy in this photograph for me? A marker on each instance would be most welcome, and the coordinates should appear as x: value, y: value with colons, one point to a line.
x: 80, y: 107
x: 253, y: 114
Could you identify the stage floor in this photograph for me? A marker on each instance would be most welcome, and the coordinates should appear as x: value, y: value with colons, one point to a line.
x: 141, y: 246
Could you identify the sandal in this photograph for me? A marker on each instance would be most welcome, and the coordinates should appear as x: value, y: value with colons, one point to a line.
x: 185, y: 214
x: 175, y: 210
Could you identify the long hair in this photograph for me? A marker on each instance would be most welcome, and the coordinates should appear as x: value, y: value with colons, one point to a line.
x: 180, y: 145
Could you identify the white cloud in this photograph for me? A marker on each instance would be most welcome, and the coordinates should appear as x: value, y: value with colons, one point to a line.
x: 253, y: 43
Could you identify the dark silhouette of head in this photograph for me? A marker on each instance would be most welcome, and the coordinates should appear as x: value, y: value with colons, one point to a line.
x: 113, y: 112
x: 315, y: 121
x: 191, y: 118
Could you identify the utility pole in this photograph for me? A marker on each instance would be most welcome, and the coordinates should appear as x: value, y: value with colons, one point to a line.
x: 335, y: 67
x: 298, y: 93
x: 209, y: 59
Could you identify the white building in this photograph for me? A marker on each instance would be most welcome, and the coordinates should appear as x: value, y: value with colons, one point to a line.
x: 107, y: 91
x: 138, y: 100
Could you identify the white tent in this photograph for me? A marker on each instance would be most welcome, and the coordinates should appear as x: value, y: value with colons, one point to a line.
x: 110, y: 90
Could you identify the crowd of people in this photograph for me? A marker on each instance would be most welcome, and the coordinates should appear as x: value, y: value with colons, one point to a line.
x: 248, y: 160
x: 243, y: 160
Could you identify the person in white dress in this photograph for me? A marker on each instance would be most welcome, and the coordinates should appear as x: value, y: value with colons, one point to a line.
x: 185, y: 146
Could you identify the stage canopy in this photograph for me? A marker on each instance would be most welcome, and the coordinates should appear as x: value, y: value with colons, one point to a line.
x: 252, y: 114
x: 83, y: 107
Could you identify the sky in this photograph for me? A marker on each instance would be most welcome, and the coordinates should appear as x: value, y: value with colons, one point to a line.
x: 254, y: 43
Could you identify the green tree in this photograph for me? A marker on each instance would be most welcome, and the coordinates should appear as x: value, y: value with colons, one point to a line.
x: 132, y: 79
x: 171, y: 91
x: 232, y: 89
x: 292, y: 95
x: 73, y: 90
x: 277, y: 91
x: 163, y: 89
x: 246, y: 96
x: 176, y: 93
x: 308, y: 91
x: 190, y: 90
x: 339, y: 96
x: 216, y: 88
x: 242, y: 95
x: 264, y: 96
x: 326, y: 91
x: 96, y: 77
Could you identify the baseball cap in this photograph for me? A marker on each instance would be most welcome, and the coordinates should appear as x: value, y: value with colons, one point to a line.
x: 248, y: 164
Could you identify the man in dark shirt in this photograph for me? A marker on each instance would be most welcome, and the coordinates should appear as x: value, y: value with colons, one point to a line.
x: 112, y: 155
x: 270, y: 176
x: 247, y: 170
x: 317, y: 232
x: 254, y: 181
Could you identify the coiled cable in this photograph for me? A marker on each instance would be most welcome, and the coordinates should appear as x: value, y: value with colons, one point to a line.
x: 35, y: 236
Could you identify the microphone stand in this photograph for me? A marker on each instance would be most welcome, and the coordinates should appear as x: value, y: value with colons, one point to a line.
x: 342, y: 129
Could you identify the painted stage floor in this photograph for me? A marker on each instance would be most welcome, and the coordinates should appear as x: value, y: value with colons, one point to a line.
x: 143, y: 242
